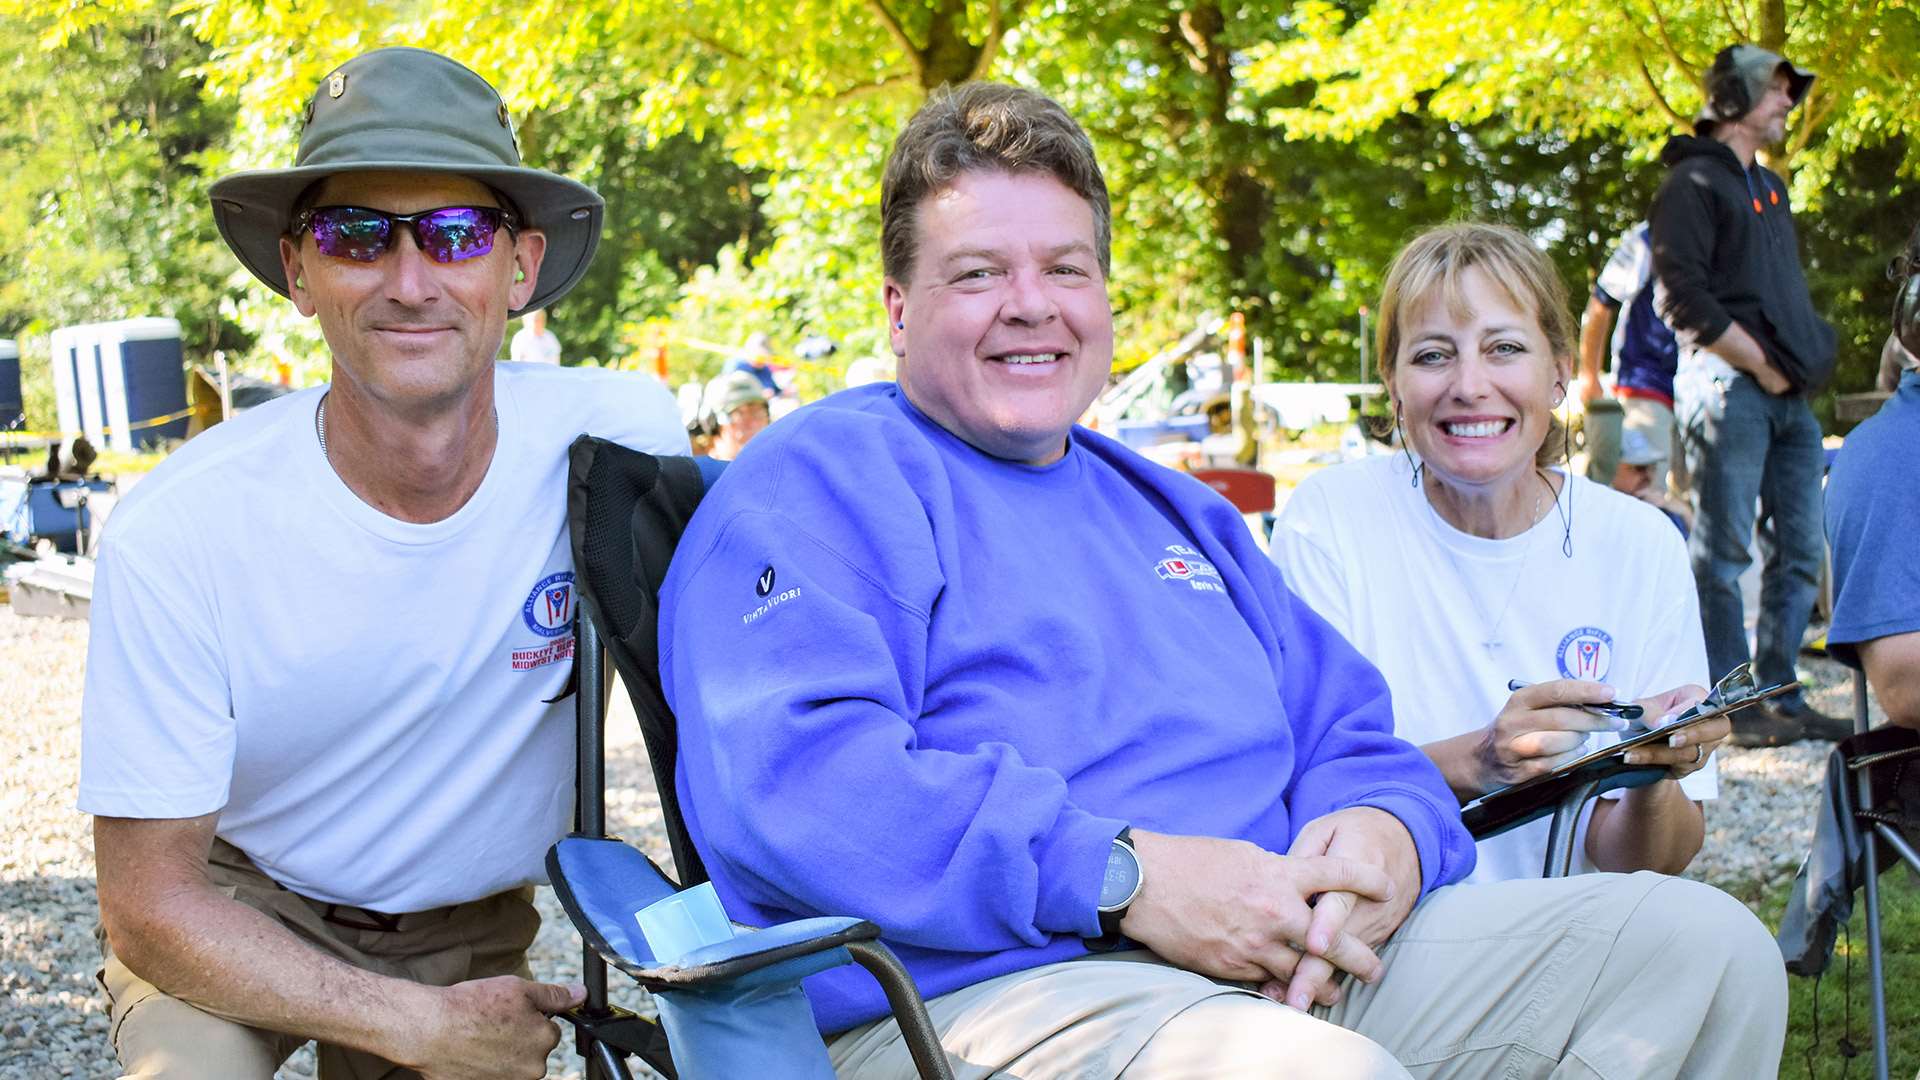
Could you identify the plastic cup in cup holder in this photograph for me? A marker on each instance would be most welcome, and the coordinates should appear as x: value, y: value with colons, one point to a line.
x: 684, y: 922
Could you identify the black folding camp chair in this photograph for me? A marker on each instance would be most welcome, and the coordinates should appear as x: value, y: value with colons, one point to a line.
x: 736, y: 1002
x: 1883, y: 804
x: 1869, y: 822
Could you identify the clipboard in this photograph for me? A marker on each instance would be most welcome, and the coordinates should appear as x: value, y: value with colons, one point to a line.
x: 1511, y: 807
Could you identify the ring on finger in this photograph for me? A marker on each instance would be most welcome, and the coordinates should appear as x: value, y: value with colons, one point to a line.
x: 1699, y: 754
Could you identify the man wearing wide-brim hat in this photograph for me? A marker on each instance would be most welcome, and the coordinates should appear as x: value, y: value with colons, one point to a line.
x: 317, y: 737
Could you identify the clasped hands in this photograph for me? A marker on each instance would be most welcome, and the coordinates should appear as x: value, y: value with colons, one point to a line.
x: 1289, y: 923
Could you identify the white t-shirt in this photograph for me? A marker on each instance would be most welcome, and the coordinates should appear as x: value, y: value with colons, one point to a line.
x: 530, y: 347
x: 361, y: 698
x: 1628, y: 270
x: 1419, y: 598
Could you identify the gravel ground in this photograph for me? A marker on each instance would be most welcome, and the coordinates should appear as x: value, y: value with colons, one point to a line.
x: 52, y: 1017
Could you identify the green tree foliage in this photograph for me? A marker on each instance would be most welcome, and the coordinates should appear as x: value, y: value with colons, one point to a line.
x: 1629, y: 72
x: 1864, y: 216
x: 1218, y: 211
x: 802, y: 97
x: 1264, y: 155
x: 673, y: 203
x: 1626, y: 69
x: 103, y: 136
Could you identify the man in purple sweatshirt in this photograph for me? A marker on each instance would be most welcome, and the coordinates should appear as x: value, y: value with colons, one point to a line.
x: 1045, y: 713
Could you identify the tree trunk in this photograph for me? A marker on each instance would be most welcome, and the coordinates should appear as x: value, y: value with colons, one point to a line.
x: 948, y: 57
x: 1772, y: 27
x: 1772, y: 31
x: 1238, y: 202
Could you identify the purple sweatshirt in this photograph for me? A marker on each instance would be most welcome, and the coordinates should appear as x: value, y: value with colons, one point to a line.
x: 926, y: 686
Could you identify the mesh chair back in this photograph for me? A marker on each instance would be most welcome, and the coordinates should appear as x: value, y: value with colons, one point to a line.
x: 626, y: 510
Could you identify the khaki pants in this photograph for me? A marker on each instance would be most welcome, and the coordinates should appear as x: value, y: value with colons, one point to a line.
x: 160, y: 1036
x: 1599, y: 976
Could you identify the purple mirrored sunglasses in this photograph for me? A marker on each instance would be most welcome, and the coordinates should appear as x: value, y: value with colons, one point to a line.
x: 446, y: 234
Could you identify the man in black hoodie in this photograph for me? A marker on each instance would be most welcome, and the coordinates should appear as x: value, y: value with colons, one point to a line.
x: 1727, y: 266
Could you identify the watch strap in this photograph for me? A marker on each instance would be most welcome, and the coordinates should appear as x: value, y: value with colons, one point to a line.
x: 1110, y: 937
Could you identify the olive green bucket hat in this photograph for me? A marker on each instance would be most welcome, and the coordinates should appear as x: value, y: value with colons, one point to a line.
x: 409, y: 110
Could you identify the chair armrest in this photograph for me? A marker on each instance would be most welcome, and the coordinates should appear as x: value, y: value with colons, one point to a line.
x: 787, y: 952
x: 1509, y: 808
x: 602, y: 882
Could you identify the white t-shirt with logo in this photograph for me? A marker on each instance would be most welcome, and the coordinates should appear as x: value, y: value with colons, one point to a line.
x: 361, y: 698
x: 1421, y: 599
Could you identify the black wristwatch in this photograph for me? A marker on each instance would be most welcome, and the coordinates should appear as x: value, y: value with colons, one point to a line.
x: 1120, y: 886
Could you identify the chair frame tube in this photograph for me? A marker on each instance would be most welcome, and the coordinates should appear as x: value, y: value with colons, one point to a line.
x: 1863, y: 796
x: 1561, y: 833
x: 916, y: 1027
x: 590, y: 819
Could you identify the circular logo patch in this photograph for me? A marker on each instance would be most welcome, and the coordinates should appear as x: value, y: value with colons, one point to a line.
x: 549, y: 607
x: 1586, y: 653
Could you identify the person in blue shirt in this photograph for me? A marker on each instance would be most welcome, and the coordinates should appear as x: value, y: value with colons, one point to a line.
x: 1045, y: 712
x: 1644, y: 351
x: 1873, y: 512
x: 756, y: 359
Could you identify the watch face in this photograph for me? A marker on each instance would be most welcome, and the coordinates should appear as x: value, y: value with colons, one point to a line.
x: 1123, y: 876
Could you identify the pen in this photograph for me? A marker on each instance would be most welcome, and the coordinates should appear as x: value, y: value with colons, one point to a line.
x: 1624, y: 710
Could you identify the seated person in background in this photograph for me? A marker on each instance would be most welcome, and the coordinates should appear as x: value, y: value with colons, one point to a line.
x: 1873, y: 514
x: 1456, y: 566
x: 945, y: 660
x: 1637, y: 475
x: 735, y: 410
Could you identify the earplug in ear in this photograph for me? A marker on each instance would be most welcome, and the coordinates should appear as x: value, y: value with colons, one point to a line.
x: 900, y: 326
x: 519, y: 275
x: 300, y: 282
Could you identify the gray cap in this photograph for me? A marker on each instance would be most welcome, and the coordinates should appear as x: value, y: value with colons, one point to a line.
x: 1737, y: 80
x: 729, y: 391
x: 409, y: 110
x: 1636, y: 448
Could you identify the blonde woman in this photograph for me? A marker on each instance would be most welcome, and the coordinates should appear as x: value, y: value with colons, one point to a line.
x: 1461, y: 564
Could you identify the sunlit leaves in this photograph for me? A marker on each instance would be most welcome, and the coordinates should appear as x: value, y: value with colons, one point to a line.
x: 1626, y: 68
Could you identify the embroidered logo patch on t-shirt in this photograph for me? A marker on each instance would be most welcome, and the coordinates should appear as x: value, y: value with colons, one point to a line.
x: 1585, y: 653
x: 548, y: 612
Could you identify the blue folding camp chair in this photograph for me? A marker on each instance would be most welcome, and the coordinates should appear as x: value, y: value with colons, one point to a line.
x: 727, y: 1010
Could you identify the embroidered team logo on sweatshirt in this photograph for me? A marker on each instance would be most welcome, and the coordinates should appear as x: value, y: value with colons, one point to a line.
x: 1185, y: 564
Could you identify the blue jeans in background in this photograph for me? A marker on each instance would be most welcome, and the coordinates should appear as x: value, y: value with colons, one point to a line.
x: 1745, y: 446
